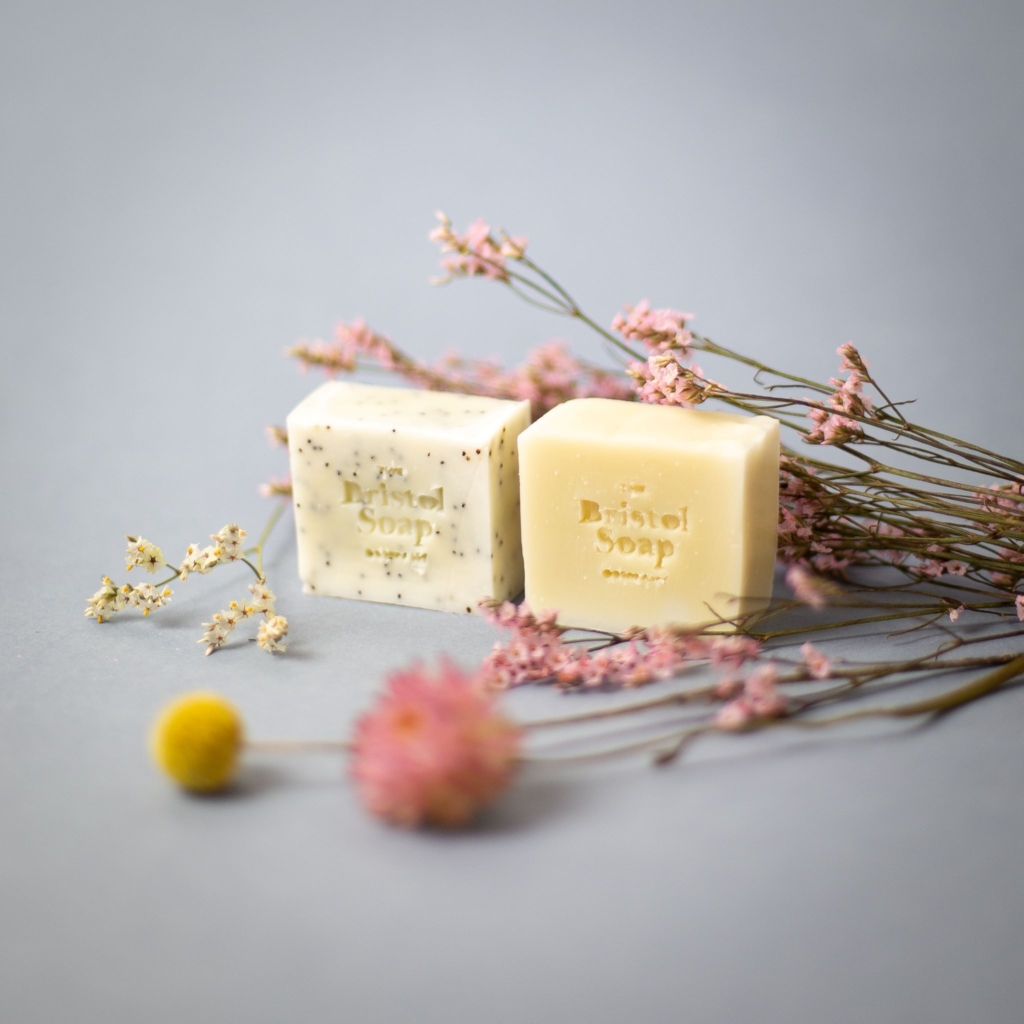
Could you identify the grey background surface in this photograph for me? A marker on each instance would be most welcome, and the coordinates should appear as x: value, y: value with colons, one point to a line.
x: 186, y: 188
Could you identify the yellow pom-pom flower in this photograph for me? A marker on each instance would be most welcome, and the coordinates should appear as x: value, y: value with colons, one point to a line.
x: 197, y: 740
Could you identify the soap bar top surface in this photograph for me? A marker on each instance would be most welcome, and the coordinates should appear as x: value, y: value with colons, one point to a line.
x: 615, y: 422
x: 635, y: 515
x: 440, y: 412
x: 407, y: 497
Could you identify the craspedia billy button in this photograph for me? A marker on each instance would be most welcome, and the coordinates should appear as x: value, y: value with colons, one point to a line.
x: 197, y: 740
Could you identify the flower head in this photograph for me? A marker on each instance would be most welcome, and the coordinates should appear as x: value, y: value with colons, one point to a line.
x: 277, y: 436
x: 221, y: 627
x: 817, y: 664
x: 228, y: 543
x: 146, y: 597
x: 1019, y: 602
x: 277, y: 487
x: 198, y: 559
x: 263, y: 598
x: 808, y: 588
x: 657, y: 329
x: 197, y: 740
x: 664, y: 380
x: 476, y: 253
x: 272, y: 632
x: 106, y: 602
x: 433, y: 750
x: 141, y: 552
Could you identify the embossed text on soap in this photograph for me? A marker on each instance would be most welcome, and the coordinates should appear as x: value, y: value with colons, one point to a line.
x: 635, y: 529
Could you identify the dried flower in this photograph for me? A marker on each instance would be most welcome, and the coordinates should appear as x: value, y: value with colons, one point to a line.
x: 760, y: 700
x: 197, y: 740
x: 197, y: 559
x: 433, y: 750
x: 228, y: 543
x: 221, y: 627
x: 663, y: 380
x: 476, y: 253
x: 817, y: 664
x: 277, y: 437
x: 657, y: 329
x: 1019, y: 603
x: 807, y: 587
x: 142, y: 552
x: 146, y: 597
x: 263, y: 598
x: 106, y: 602
x: 271, y: 634
x: 277, y: 487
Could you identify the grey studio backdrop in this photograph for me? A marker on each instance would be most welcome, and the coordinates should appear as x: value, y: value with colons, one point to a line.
x: 187, y: 188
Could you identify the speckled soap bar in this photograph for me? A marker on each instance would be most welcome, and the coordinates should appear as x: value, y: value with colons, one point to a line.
x: 407, y: 497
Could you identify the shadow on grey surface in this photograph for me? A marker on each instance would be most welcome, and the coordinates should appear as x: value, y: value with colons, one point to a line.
x: 532, y: 801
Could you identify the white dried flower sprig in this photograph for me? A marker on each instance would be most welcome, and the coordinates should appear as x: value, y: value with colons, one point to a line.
x: 228, y: 546
x: 273, y: 626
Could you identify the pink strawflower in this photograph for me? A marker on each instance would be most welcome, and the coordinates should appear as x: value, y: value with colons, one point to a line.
x: 817, y: 664
x: 433, y: 750
x: 657, y: 329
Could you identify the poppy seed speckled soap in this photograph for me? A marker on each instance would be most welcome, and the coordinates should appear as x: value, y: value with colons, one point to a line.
x: 407, y: 497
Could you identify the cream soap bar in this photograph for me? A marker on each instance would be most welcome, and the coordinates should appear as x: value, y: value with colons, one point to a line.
x: 407, y: 497
x: 635, y: 514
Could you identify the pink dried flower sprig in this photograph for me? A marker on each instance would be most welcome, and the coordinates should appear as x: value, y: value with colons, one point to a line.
x: 664, y: 380
x: 658, y: 330
x: 550, y: 375
x: 536, y: 651
x: 476, y: 252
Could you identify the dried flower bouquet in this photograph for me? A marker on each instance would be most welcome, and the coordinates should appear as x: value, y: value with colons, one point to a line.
x: 898, y: 523
x: 943, y: 515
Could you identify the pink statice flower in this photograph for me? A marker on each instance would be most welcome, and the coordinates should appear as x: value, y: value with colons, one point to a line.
x: 351, y: 340
x: 433, y: 750
x: 664, y: 380
x: 831, y: 428
x: 277, y: 487
x: 534, y: 651
x: 808, y: 588
x: 476, y: 253
x: 954, y: 613
x: 657, y: 329
x: 851, y: 359
x: 819, y: 666
x: 277, y: 437
x: 760, y: 700
x: 550, y: 375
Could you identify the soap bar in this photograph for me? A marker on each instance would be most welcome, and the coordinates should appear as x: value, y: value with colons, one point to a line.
x: 407, y: 497
x: 637, y: 515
